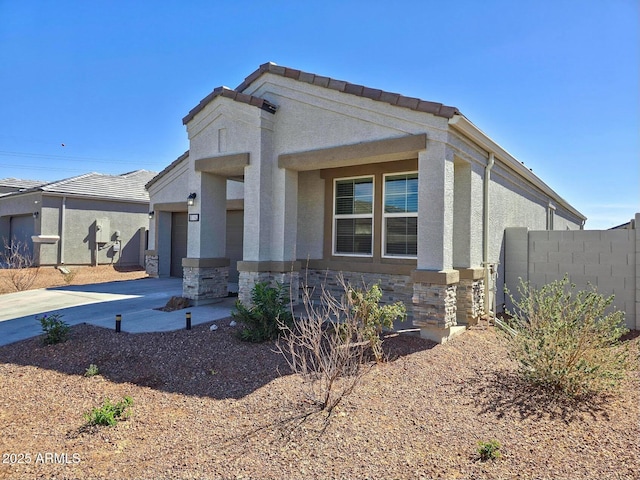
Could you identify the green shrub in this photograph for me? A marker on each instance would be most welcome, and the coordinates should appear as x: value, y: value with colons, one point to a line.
x: 270, y: 308
x: 489, y: 450
x: 55, y: 329
x: 109, y: 413
x: 566, y: 342
x: 92, y: 371
x: 371, y: 317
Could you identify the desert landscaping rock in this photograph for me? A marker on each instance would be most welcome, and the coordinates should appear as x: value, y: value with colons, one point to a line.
x: 207, y: 405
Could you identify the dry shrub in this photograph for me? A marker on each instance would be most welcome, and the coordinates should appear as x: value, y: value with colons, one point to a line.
x: 326, y: 348
x: 329, y: 345
x: 20, y: 263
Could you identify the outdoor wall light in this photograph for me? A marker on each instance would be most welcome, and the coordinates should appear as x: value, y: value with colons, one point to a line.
x: 151, y: 214
x: 191, y: 199
x: 36, y: 214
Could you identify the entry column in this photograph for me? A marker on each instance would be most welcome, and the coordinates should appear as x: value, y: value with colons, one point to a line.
x: 434, y: 280
x: 206, y: 268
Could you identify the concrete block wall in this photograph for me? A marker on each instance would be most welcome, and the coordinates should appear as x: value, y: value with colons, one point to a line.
x: 606, y: 259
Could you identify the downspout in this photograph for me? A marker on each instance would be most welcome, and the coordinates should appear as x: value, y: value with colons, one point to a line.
x: 63, y: 210
x: 485, y: 231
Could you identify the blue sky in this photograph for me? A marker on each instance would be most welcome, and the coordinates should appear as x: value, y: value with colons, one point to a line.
x: 554, y: 82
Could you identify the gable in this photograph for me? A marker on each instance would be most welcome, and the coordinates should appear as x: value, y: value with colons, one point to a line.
x: 225, y: 126
x: 313, y: 117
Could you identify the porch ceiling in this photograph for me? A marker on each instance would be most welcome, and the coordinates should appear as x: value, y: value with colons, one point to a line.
x: 224, y: 165
x: 377, y: 151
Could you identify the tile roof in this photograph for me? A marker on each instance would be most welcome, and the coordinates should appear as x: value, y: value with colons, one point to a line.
x: 234, y: 95
x: 18, y: 183
x: 126, y: 187
x: 167, y: 169
x: 396, y: 99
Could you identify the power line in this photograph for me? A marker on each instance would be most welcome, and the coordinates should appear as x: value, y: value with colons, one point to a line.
x: 70, y: 158
x: 29, y: 167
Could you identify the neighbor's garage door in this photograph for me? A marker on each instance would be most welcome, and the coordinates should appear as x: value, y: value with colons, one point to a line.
x: 21, y: 228
x: 178, y: 242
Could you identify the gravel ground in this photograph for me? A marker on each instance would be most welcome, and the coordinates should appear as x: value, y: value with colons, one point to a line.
x: 207, y: 405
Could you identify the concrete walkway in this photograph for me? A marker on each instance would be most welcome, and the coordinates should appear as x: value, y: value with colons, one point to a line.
x: 98, y: 304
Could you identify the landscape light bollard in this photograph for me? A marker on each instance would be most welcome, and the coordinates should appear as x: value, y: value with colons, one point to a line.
x: 188, y: 318
x: 118, y: 322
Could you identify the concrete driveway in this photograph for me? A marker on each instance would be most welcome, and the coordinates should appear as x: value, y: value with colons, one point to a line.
x: 98, y: 304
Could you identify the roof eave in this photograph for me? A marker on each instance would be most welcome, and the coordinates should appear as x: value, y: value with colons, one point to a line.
x: 235, y: 95
x: 94, y: 197
x: 395, y: 99
x: 166, y: 170
x: 468, y: 129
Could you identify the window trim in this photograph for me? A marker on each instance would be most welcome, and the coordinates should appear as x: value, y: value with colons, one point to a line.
x: 386, y: 215
x: 551, y: 213
x: 334, y: 217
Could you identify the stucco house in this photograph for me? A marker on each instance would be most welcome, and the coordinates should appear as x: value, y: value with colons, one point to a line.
x: 88, y: 219
x: 294, y: 177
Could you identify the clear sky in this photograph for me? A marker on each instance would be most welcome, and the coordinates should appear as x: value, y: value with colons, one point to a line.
x: 103, y: 85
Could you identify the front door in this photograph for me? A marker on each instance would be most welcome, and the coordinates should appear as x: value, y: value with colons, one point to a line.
x: 178, y: 242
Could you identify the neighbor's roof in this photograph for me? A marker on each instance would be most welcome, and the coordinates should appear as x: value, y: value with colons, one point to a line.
x: 166, y: 170
x: 128, y: 187
x: 395, y: 99
x: 18, y: 183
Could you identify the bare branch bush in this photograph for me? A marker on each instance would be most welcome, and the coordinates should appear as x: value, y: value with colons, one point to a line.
x: 20, y: 264
x: 327, y: 347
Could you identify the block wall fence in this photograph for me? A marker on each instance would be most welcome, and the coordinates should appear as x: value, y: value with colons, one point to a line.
x: 606, y: 259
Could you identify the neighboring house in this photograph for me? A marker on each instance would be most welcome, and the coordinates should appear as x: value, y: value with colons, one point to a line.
x: 313, y: 176
x: 84, y: 220
x: 9, y: 185
x: 630, y: 225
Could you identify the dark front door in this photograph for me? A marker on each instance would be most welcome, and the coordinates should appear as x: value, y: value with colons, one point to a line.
x: 178, y: 242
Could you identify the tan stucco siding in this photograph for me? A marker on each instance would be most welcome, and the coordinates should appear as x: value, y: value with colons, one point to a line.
x: 312, y: 117
x: 311, y: 190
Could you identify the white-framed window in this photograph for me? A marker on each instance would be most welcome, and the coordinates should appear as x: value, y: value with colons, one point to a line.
x: 353, y: 216
x: 400, y: 215
x: 551, y: 212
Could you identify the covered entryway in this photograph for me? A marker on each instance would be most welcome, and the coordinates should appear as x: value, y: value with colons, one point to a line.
x: 178, y: 242
x: 235, y: 228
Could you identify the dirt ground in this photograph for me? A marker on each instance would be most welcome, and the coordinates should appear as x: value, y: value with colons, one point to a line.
x: 46, y: 277
x: 206, y: 405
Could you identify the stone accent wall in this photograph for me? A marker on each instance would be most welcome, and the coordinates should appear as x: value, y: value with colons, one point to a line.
x: 247, y: 280
x: 434, y: 305
x: 205, y: 284
x: 151, y: 265
x: 470, y: 297
x: 395, y: 288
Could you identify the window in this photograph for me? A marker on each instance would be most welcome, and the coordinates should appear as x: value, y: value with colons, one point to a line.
x: 400, y: 215
x: 551, y: 210
x: 353, y: 216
